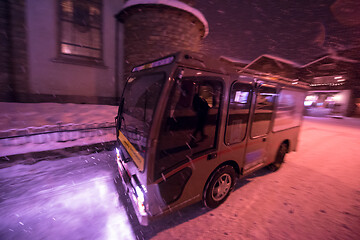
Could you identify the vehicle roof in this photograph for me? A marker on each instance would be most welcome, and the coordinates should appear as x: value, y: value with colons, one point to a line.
x: 206, y: 62
x: 203, y: 61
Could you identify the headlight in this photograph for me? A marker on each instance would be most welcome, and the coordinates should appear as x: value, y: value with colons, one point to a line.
x: 140, y: 201
x: 118, y: 156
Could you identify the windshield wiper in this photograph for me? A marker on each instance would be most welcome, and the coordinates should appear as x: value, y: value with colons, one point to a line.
x: 145, y: 107
x: 119, y: 117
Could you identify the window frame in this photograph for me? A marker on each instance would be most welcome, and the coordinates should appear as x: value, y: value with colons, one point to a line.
x: 75, y: 58
x: 275, y: 117
x: 219, y: 80
x: 271, y: 121
x: 250, y: 99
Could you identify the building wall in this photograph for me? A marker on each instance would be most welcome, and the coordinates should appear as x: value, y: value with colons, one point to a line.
x: 32, y: 71
x: 13, y: 51
x: 54, y: 80
x: 5, y: 93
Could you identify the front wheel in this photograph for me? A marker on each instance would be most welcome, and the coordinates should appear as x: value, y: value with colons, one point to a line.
x: 219, y: 187
x: 279, y: 159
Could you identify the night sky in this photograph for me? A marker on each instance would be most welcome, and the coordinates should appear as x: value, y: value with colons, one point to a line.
x: 298, y: 30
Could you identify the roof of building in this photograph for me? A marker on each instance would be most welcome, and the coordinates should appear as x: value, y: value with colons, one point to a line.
x: 274, y: 65
x: 349, y: 55
x: 275, y: 58
x: 234, y: 61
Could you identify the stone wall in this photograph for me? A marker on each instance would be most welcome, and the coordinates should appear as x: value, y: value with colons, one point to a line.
x: 153, y: 31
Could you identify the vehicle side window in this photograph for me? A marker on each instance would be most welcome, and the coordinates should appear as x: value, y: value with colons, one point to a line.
x: 190, y: 122
x: 289, y: 109
x: 238, y: 112
x: 265, y: 100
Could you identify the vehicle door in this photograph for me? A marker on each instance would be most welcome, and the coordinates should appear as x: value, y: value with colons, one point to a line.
x: 188, y: 129
x: 260, y: 126
x: 237, y: 118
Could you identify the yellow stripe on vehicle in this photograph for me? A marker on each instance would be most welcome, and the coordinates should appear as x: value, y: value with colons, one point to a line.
x: 134, y: 154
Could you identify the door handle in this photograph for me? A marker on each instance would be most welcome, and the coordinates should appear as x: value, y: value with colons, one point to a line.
x: 211, y: 156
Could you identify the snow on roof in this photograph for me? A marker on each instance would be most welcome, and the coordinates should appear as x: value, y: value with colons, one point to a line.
x: 286, y: 61
x: 315, y: 61
x: 175, y: 4
x: 334, y: 57
x: 278, y: 59
x: 234, y: 60
x: 343, y: 59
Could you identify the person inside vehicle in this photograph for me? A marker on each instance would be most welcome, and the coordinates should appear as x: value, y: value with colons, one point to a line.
x: 201, y: 107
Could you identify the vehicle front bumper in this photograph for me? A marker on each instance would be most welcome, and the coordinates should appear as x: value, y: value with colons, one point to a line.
x: 129, y: 187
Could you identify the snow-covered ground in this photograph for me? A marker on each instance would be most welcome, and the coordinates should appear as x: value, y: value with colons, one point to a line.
x: 70, y: 198
x: 315, y: 195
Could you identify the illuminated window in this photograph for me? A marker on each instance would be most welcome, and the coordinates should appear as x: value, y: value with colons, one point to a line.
x: 80, y: 30
x: 241, y: 97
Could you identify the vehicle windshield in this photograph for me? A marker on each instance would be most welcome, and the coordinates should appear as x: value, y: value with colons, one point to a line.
x: 141, y: 96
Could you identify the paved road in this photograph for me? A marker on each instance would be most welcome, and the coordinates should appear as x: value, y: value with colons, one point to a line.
x: 315, y: 195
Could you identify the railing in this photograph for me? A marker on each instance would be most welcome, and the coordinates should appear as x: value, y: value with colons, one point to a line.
x: 55, y: 133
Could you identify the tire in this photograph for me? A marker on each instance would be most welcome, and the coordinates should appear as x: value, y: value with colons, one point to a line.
x: 279, y: 159
x: 219, y: 186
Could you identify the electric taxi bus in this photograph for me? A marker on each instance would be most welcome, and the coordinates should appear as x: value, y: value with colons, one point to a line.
x: 188, y: 126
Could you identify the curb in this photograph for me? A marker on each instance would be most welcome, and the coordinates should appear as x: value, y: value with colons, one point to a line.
x: 34, y: 157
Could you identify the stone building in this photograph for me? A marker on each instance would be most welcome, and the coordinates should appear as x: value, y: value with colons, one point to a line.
x: 156, y: 28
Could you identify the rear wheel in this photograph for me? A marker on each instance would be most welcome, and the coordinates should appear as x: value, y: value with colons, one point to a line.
x: 279, y: 159
x: 219, y: 187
